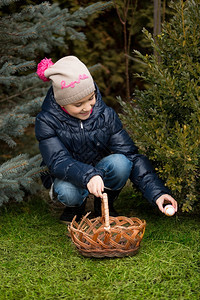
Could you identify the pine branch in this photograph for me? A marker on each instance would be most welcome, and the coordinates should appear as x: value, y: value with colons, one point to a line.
x: 17, y: 175
x: 7, y: 99
x: 7, y: 2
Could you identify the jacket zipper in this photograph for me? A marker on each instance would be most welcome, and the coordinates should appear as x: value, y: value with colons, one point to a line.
x: 82, y: 133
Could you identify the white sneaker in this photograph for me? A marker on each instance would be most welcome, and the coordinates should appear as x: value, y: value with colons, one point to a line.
x: 51, y: 194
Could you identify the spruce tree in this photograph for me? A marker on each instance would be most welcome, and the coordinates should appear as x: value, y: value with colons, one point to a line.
x: 27, y: 36
x: 164, y: 119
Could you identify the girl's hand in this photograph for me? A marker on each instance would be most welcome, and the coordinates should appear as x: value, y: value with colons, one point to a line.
x: 96, y: 186
x: 164, y: 199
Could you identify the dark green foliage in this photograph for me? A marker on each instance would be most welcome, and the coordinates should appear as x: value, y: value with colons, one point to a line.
x: 105, y: 45
x: 164, y: 119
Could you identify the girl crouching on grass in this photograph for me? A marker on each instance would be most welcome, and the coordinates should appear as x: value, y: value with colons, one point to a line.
x: 84, y: 145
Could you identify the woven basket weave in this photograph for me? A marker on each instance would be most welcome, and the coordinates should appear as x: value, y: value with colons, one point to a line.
x: 107, y: 236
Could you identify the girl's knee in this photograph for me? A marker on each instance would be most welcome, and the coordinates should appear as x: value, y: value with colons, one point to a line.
x: 68, y: 195
x: 66, y: 198
x: 121, y: 163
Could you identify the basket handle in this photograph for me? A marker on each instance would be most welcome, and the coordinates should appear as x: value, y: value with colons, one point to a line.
x: 105, y: 211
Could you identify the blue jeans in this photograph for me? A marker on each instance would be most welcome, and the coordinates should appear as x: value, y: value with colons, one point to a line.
x: 116, y: 170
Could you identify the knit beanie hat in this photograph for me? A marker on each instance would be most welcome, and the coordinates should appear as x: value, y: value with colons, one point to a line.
x: 71, y: 80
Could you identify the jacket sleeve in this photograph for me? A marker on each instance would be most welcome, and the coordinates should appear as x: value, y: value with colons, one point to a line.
x: 59, y: 160
x: 143, y: 174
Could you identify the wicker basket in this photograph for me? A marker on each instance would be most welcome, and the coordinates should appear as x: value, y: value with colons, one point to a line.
x: 107, y: 236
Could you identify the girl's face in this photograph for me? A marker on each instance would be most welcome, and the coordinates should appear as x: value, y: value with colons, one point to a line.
x: 82, y: 108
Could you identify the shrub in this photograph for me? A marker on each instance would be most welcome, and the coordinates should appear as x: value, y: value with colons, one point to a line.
x: 164, y: 119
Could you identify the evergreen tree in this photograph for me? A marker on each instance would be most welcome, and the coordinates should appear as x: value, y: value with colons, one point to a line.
x: 25, y: 37
x: 164, y: 119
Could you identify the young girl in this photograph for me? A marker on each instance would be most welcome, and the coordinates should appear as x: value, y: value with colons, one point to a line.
x: 84, y: 145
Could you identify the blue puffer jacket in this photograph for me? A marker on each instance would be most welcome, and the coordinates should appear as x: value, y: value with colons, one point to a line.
x: 71, y: 148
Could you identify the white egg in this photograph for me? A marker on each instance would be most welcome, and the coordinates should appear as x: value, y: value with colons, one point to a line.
x: 169, y: 210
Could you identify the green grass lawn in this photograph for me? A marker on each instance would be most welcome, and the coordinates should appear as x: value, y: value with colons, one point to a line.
x: 38, y: 260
